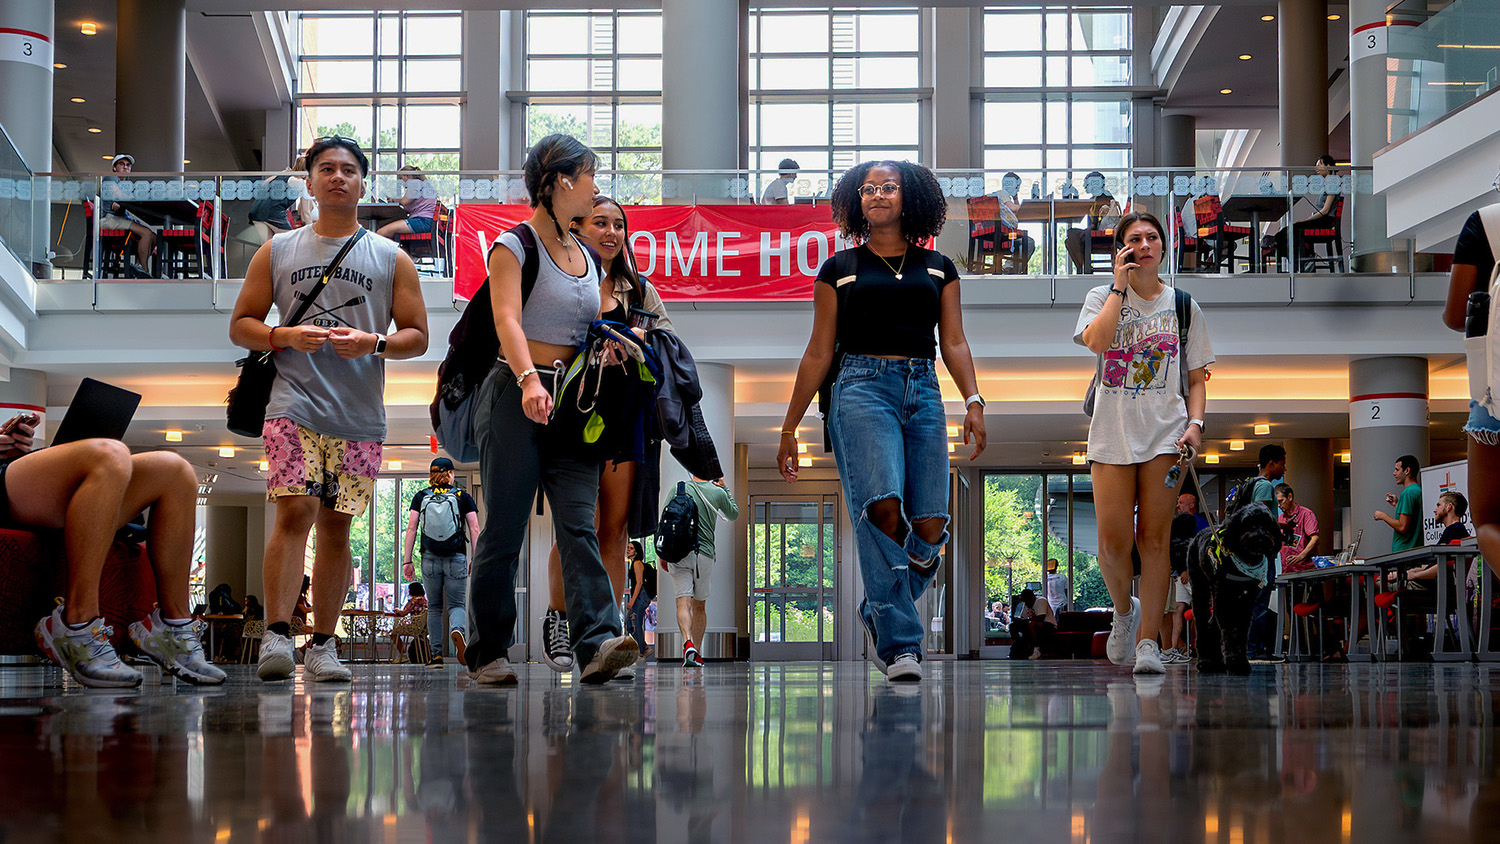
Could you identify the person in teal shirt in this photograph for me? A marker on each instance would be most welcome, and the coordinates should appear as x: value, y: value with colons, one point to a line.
x: 1407, y: 523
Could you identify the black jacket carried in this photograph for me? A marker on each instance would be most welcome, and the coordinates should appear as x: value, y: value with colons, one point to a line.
x: 678, y: 420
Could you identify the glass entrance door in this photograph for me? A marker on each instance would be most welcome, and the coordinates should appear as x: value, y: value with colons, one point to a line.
x: 794, y: 561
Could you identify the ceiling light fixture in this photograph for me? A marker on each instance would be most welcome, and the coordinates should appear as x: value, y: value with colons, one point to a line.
x: 804, y: 462
x: 1226, y: 90
x: 1079, y: 459
x: 174, y: 436
x: 1211, y: 459
x: 187, y: 161
x: 1344, y: 457
x: 1236, y: 445
x: 265, y: 466
x: 1244, y: 57
x: 952, y: 431
x: 1268, y: 17
x: 394, y: 465
x: 94, y: 130
x: 88, y: 28
x: 801, y: 448
x: 1334, y: 17
x: 226, y: 451
x: 59, y: 65
x: 1262, y: 429
x: 952, y: 447
x: 78, y: 99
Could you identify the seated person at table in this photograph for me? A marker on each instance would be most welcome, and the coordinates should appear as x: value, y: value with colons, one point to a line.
x: 1010, y: 199
x: 410, y: 627
x: 116, y: 217
x: 88, y: 489
x: 1102, y: 215
x: 1322, y: 217
x: 253, y: 609
x: 776, y: 191
x: 419, y: 202
x: 221, y: 601
x: 1033, y: 626
x: 1449, y: 512
x: 282, y: 215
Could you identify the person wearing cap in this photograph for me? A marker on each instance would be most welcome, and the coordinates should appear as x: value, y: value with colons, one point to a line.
x: 116, y: 217
x: 450, y: 521
x: 775, y: 193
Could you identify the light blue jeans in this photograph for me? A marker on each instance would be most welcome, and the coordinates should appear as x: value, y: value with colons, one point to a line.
x: 446, y: 580
x: 890, y: 439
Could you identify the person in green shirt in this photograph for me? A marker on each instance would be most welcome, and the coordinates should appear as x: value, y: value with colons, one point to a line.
x: 1407, y: 523
x: 691, y: 574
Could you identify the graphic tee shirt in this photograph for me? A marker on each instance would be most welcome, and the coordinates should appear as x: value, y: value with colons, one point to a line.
x: 458, y: 542
x: 1303, y: 525
x: 1139, y: 411
x: 1409, y: 503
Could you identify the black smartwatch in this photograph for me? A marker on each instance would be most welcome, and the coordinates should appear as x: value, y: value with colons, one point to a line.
x: 379, y: 345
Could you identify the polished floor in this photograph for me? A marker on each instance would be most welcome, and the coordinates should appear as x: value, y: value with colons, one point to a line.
x: 1043, y: 752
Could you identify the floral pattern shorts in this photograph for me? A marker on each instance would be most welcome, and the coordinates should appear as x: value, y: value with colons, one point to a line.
x: 339, y: 472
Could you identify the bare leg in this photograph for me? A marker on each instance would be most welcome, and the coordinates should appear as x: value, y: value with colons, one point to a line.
x: 146, y: 246
x: 1153, y: 537
x: 1484, y: 499
x: 282, y: 568
x: 700, y: 621
x: 168, y: 485
x: 610, y: 521
x: 685, y: 618
x: 331, y: 563
x: 79, y: 486
x: 555, y: 598
x: 392, y: 229
x: 885, y: 515
x: 1114, y: 507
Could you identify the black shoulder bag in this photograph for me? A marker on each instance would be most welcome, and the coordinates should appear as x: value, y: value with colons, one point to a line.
x: 251, y: 393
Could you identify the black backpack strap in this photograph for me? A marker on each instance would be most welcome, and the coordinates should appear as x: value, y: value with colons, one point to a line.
x: 1184, y: 321
x: 532, y: 262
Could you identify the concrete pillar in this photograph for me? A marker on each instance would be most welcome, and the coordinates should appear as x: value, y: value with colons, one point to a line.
x: 276, y: 142
x: 1309, y: 472
x: 25, y: 392
x: 1177, y: 137
x: 1302, y: 80
x: 700, y: 96
x: 1387, y: 418
x: 1368, y: 132
x: 150, y: 82
x: 486, y: 74
x: 740, y: 489
x: 728, y: 581
x: 26, y: 58
x: 949, y: 145
x: 226, y: 541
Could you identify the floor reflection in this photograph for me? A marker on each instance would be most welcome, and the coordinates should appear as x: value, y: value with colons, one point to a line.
x: 798, y: 752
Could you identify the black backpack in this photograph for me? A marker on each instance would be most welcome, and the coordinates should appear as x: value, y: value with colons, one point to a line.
x: 1241, y: 494
x: 473, y: 348
x: 677, y: 529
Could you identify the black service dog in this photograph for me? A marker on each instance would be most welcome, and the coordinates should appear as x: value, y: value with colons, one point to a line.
x: 1224, y: 594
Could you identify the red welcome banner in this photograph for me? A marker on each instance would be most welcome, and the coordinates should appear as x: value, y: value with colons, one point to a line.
x: 702, y: 252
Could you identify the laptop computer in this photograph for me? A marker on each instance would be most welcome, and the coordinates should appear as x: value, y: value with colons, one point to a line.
x: 98, y: 410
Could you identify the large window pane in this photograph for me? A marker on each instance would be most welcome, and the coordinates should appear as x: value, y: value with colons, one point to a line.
x: 434, y: 75
x: 794, y: 124
x: 794, y: 74
x: 887, y: 33
x: 1013, y: 530
x: 1013, y: 71
x: 337, y: 77
x: 542, y: 121
x: 348, y: 121
x: 639, y: 125
x: 639, y: 75
x: 639, y: 34
x: 1101, y: 123
x: 434, y: 36
x: 885, y: 73
x: 551, y: 34
x: 794, y: 34
x: 1100, y: 70
x: 1102, y: 31
x: 1013, y: 123
x: 887, y: 123
x: 558, y: 74
x: 430, y: 126
x: 337, y: 36
x: 1012, y: 32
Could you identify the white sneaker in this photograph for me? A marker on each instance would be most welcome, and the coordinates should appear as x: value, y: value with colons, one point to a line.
x: 178, y: 650
x: 1121, y: 645
x: 904, y: 668
x: 85, y: 652
x: 1148, y: 658
x: 322, y: 664
x: 612, y: 656
x: 278, y: 657
x: 626, y: 673
x: 495, y: 673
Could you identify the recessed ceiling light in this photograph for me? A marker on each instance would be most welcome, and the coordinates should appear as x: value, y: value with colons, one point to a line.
x: 78, y: 99
x: 226, y: 451
x: 187, y: 161
x: 174, y: 436
x: 1268, y: 17
x: 394, y: 465
x: 1334, y: 17
x: 952, y: 447
x: 1079, y: 459
x: 88, y: 28
x: 804, y: 462
x: 1244, y: 57
x: 1211, y: 459
x: 1344, y: 457
x: 1262, y: 429
x: 1226, y: 90
x: 59, y: 65
x: 107, y: 157
x: 94, y: 130
x: 1236, y: 445
x: 265, y: 465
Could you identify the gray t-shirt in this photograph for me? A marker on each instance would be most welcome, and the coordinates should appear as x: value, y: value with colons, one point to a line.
x: 561, y: 306
x: 322, y: 391
x: 1139, y: 409
x: 713, y: 501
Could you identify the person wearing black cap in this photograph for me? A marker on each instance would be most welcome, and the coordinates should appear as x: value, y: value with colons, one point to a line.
x: 116, y: 217
x: 450, y: 521
x: 775, y: 193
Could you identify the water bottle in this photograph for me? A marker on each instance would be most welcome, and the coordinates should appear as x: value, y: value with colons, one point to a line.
x: 1477, y: 318
x: 1476, y: 345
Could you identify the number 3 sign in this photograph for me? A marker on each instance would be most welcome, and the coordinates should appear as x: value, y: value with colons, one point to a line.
x: 20, y: 45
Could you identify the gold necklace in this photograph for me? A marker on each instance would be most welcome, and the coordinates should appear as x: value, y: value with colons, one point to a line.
x: 897, y: 269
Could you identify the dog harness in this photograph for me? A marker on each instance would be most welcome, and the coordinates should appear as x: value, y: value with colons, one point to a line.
x: 1246, y: 571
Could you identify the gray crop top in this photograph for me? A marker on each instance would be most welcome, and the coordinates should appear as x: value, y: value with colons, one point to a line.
x: 561, y: 306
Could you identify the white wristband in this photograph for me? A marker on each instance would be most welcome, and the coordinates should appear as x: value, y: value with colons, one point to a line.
x: 972, y: 399
x: 1198, y: 422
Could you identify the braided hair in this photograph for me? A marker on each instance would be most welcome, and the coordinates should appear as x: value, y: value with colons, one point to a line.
x: 552, y: 158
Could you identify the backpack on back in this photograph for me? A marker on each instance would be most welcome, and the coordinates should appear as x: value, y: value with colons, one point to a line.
x: 441, y: 519
x: 1241, y: 494
x: 473, y: 348
x: 677, y: 529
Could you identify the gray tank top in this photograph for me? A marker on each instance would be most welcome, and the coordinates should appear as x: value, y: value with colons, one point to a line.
x: 561, y: 306
x: 322, y: 391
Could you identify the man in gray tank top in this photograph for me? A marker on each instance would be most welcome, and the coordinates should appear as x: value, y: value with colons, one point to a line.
x: 325, y: 421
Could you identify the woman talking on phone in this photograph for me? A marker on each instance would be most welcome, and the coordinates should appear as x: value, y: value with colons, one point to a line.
x: 881, y: 313
x: 1142, y: 422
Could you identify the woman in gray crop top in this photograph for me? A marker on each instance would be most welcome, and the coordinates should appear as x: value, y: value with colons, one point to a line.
x: 518, y: 452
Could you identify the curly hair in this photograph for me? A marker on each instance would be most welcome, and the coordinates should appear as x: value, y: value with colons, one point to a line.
x: 923, y: 210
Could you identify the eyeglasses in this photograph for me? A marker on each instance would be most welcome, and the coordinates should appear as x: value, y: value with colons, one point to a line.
x: 888, y: 189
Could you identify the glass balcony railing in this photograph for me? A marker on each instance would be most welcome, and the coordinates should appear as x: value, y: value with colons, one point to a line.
x: 18, y: 223
x: 208, y: 225
x: 1450, y: 59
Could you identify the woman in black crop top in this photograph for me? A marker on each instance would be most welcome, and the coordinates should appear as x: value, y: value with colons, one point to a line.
x: 620, y: 289
x: 881, y: 313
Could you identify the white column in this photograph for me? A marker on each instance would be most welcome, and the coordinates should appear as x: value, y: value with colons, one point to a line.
x: 700, y: 93
x: 1388, y: 417
x: 26, y: 58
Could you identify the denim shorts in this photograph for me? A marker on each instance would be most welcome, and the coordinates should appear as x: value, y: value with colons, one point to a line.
x: 1482, y: 427
x: 419, y: 225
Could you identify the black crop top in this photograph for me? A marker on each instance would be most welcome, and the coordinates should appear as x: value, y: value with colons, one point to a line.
x: 880, y: 315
